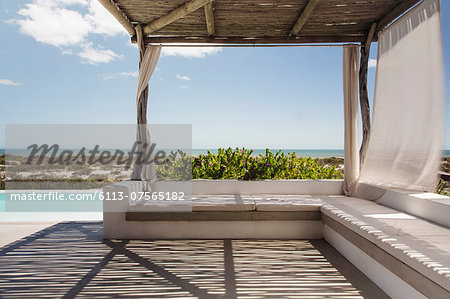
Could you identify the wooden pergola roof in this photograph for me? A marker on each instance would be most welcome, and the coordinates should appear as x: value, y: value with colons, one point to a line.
x: 257, y: 21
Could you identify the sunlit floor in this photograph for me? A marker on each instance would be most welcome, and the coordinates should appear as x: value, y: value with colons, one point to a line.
x: 71, y: 260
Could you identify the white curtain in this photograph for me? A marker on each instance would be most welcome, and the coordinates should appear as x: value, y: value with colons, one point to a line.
x: 405, y: 145
x: 148, y: 58
x: 351, y: 145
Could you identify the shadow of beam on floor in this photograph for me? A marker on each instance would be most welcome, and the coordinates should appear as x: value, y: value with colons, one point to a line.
x: 71, y: 259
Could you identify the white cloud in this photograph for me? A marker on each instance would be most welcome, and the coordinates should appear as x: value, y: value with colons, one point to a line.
x: 49, y: 23
x: 67, y: 2
x: 8, y: 82
x: 97, y: 55
x: 185, y: 78
x: 372, y: 63
x: 184, y: 86
x: 102, y: 21
x: 190, y: 52
x: 119, y: 75
x: 69, y: 25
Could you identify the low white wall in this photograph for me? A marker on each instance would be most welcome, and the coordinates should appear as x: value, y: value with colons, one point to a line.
x: 430, y: 206
x: 424, y: 205
x: 310, y: 187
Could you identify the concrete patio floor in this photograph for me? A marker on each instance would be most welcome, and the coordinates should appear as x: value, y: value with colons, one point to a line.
x: 71, y: 260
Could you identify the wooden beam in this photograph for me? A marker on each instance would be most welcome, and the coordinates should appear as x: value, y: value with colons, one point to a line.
x: 119, y: 15
x: 370, y: 35
x: 395, y: 13
x: 209, y: 15
x: 174, y: 15
x: 328, y: 39
x: 364, y: 94
x: 307, y: 12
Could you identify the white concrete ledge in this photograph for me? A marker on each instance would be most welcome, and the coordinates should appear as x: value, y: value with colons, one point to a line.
x: 229, y: 187
x: 422, y: 246
x: 307, y: 187
x: 430, y: 206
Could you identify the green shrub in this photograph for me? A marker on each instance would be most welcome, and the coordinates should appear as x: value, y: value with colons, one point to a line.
x: 177, y: 166
x: 241, y: 165
x: 443, y: 187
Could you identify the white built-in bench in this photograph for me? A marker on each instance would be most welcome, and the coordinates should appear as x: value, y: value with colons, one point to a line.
x: 407, y: 256
x: 225, y: 209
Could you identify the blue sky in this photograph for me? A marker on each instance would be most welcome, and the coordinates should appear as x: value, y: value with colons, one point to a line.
x: 68, y: 61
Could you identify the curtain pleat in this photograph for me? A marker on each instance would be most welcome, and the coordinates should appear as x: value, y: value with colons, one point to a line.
x: 351, y: 145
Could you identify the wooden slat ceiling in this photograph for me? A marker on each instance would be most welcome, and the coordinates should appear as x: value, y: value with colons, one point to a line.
x: 266, y: 21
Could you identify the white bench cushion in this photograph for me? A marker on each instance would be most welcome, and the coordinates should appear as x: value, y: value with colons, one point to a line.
x: 223, y: 203
x: 279, y: 203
